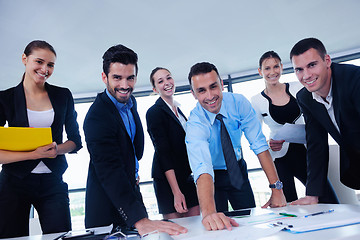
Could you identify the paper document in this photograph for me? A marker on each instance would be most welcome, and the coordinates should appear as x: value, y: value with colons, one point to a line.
x: 24, y: 138
x: 293, y: 133
x: 319, y: 222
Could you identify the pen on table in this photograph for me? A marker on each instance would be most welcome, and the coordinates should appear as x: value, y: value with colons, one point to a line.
x: 287, y: 215
x: 61, y: 236
x: 318, y: 213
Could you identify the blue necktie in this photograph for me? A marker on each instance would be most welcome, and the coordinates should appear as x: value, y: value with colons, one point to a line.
x: 235, y: 175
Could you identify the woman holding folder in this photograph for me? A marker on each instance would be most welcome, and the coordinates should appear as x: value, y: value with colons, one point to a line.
x: 275, y: 106
x: 35, y: 177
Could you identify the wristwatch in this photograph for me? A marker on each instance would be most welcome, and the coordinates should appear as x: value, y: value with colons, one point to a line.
x: 276, y: 185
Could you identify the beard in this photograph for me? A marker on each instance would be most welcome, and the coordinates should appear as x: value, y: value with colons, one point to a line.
x: 122, y: 98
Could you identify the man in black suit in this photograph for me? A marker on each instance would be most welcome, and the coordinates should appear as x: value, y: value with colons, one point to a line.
x: 330, y: 103
x: 115, y: 141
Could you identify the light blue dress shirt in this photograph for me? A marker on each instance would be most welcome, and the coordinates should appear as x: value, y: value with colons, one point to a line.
x: 203, y: 133
x: 129, y: 122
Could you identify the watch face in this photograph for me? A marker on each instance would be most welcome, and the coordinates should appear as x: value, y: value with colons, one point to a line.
x: 278, y: 185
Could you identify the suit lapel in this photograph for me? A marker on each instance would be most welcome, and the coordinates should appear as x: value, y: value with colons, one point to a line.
x: 180, y: 112
x: 161, y: 103
x: 320, y: 113
x: 336, y: 90
x: 20, y: 103
x: 114, y: 111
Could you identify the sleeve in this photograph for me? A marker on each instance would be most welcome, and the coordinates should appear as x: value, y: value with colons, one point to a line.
x: 2, y: 111
x: 156, y: 127
x: 251, y: 126
x: 255, y: 104
x: 110, y: 155
x: 197, y: 145
x: 356, y: 92
x: 71, y: 125
x: 317, y: 153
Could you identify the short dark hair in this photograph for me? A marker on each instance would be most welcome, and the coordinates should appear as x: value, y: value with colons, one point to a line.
x: 119, y: 53
x: 152, y: 81
x: 268, y: 54
x: 307, y: 43
x: 38, y: 44
x: 202, y: 68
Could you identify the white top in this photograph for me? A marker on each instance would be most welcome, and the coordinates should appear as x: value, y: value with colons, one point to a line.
x: 180, y: 117
x: 328, y: 105
x: 39, y: 119
x: 261, y: 106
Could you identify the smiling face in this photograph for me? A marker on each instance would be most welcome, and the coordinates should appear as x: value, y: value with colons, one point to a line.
x: 313, y: 72
x: 207, y: 89
x: 120, y: 81
x: 164, y: 83
x: 39, y: 65
x: 271, y: 70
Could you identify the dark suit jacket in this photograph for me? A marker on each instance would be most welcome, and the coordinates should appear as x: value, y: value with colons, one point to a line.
x: 168, y: 137
x: 13, y: 110
x: 346, y: 103
x: 110, y: 192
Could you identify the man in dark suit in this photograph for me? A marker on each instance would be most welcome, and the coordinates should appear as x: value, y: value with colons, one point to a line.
x: 115, y: 141
x: 330, y: 102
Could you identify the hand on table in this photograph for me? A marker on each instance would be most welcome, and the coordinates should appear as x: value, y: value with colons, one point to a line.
x: 146, y: 225
x: 307, y: 200
x: 277, y: 199
x: 218, y: 221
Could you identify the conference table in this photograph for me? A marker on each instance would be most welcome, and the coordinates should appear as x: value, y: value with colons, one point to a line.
x: 262, y: 231
x: 260, y: 225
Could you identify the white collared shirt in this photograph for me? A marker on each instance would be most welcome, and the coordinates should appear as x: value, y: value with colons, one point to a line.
x: 180, y: 117
x: 328, y: 105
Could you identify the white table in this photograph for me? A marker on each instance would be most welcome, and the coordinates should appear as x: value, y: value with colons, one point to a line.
x: 197, y: 231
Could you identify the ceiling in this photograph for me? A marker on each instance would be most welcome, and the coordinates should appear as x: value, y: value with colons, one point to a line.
x: 231, y: 34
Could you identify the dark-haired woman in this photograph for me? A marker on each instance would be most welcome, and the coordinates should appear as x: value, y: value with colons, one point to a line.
x: 35, y: 177
x: 275, y: 106
x: 174, y: 186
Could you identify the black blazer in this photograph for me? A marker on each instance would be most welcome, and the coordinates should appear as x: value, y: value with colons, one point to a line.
x: 168, y: 137
x: 13, y: 110
x: 346, y: 103
x: 110, y: 189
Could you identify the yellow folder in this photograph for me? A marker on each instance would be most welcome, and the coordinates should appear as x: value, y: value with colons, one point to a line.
x: 24, y: 138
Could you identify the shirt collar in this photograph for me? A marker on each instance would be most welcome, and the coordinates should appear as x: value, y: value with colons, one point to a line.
x: 212, y: 116
x: 319, y: 99
x: 118, y: 105
x: 176, y: 104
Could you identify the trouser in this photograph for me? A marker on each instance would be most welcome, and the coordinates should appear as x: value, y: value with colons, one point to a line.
x: 224, y: 191
x: 46, y: 192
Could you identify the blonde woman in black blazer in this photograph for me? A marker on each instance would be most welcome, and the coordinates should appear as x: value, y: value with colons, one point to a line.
x: 173, y: 183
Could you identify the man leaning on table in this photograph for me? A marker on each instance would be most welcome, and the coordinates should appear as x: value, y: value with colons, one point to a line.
x: 115, y: 141
x: 330, y: 103
x: 215, y: 153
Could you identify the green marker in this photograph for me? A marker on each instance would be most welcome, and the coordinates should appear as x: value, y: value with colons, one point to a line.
x: 287, y: 215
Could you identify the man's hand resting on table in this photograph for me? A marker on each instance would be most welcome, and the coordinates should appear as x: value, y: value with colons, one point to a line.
x: 146, y: 225
x: 307, y: 200
x: 218, y: 221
